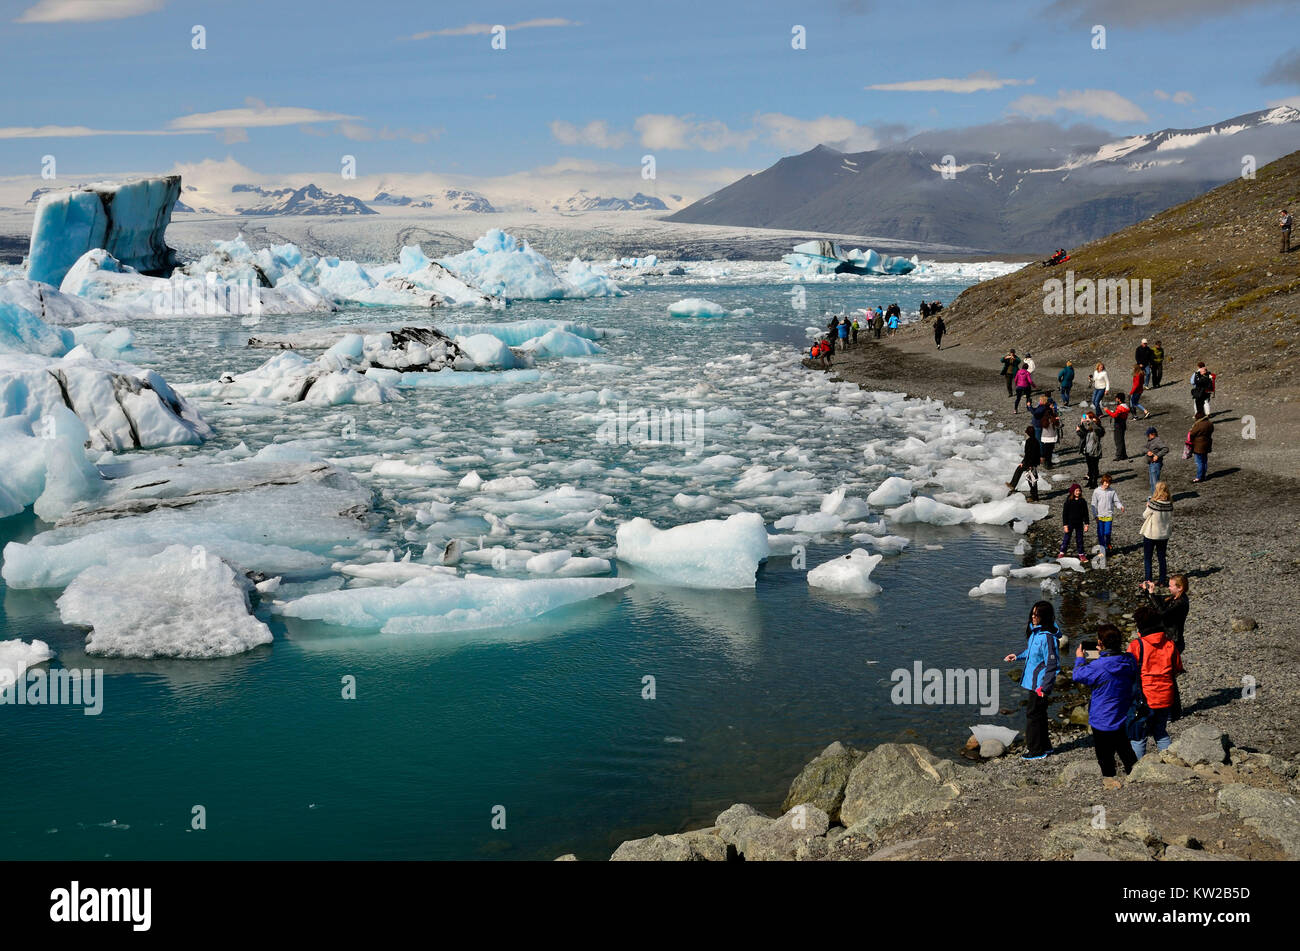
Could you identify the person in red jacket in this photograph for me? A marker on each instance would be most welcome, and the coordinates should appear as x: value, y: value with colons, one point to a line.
x: 1120, y: 415
x: 1135, y: 392
x: 1159, y: 663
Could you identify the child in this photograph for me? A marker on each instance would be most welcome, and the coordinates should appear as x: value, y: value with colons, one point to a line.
x: 1074, y: 520
x: 1105, y: 505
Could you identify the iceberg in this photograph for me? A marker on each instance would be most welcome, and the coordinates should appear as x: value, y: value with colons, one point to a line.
x: 560, y: 343
x: 1015, y: 507
x: 708, y: 554
x: 126, y: 220
x: 848, y: 574
x: 489, y: 353
x: 696, y: 307
x: 173, y: 604
x: 893, y: 491
x: 502, y: 265
x: 17, y: 655
x: 823, y: 256
x: 989, y: 586
x: 925, y: 509
x: 442, y: 604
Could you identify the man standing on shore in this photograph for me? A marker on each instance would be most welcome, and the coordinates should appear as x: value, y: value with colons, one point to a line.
x: 1145, y: 357
x: 1010, y: 364
x: 1284, y: 220
x: 939, y: 328
x: 1066, y: 379
x: 1156, y: 452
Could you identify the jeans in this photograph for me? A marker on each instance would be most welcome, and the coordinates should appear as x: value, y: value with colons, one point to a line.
x: 1036, y: 737
x: 1135, y: 406
x: 1103, y: 533
x: 1157, y: 723
x: 1159, y: 546
x: 1202, y: 463
x: 1065, y: 394
x: 1096, y: 400
x: 1153, y: 473
x: 1112, y: 743
x: 1146, y: 375
x: 1077, y: 532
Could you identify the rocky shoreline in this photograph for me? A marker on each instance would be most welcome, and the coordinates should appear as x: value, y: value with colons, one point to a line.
x: 1229, y: 786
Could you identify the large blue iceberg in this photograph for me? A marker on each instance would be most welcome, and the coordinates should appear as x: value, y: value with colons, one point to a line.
x: 827, y: 257
x: 127, y: 220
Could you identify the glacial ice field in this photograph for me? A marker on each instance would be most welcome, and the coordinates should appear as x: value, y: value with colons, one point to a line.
x: 499, y: 556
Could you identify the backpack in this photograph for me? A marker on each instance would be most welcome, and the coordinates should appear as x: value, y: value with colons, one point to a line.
x: 1136, y: 724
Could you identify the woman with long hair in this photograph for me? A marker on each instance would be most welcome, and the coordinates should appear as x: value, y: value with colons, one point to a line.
x: 1100, y: 384
x: 1157, y: 525
x: 1041, y: 659
x: 1135, y: 391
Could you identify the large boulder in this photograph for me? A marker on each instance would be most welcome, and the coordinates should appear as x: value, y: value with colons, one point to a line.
x: 1275, y: 814
x: 1152, y: 769
x: 821, y: 783
x: 1201, y: 743
x: 760, y: 839
x: 896, y: 780
x: 700, y: 845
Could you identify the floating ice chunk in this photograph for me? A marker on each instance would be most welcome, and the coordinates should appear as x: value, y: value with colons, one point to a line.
x: 1045, y: 570
x: 17, y: 655
x: 1020, y: 527
x: 1050, y: 586
x: 403, y: 570
x: 886, y: 544
x: 22, y: 329
x: 401, y: 469
x: 694, y: 503
x: 563, y: 564
x: 509, y: 484
x: 489, y: 353
x: 127, y: 220
x: 696, y: 307
x: 987, y: 731
x: 1014, y: 506
x: 786, y: 544
x: 925, y: 509
x: 472, y: 481
x: 291, y: 377
x: 506, y: 267
x: 69, y: 476
x: 516, y: 333
x: 440, y: 604
x: 1001, y: 571
x: 848, y: 574
x: 1073, y: 563
x: 893, y: 491
x: 708, y: 554
x: 173, y: 604
x: 1022, y: 547
x: 815, y: 523
x: 560, y: 343
x: 107, y: 342
x: 989, y: 586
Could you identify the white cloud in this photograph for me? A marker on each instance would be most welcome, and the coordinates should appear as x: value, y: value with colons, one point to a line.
x: 595, y: 134
x: 84, y: 11
x: 789, y: 133
x: 1102, y: 103
x: 256, y: 115
x: 81, y: 131
x: 481, y: 29
x: 1182, y: 97
x: 686, y: 132
x: 975, y: 82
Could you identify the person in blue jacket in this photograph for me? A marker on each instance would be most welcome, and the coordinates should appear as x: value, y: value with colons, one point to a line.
x: 1041, y: 662
x: 1066, y: 379
x: 1112, y: 677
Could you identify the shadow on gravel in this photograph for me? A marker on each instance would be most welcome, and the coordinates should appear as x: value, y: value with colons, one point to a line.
x: 1220, y: 698
x: 1203, y: 572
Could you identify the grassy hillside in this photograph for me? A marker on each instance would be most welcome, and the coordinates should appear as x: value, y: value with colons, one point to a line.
x: 1220, y: 290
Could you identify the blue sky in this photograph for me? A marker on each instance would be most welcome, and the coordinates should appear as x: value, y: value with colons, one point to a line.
x: 286, y: 86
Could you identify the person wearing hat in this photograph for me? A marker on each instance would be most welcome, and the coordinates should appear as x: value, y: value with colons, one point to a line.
x: 1156, y: 451
x: 1284, y: 221
x: 1145, y: 358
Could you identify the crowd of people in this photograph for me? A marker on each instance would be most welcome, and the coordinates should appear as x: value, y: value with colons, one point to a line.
x: 1134, y: 688
x: 842, y: 330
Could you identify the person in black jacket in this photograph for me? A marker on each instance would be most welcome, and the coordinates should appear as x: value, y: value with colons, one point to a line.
x: 939, y: 328
x: 1028, y: 463
x: 1074, y: 520
x: 1172, y: 608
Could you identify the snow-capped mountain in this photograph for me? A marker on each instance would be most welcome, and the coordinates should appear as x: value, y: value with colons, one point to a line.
x: 981, y: 188
x: 446, y: 200
x: 307, y: 200
x: 583, y: 200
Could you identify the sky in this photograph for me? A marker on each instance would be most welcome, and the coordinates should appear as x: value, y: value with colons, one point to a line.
x: 284, y: 89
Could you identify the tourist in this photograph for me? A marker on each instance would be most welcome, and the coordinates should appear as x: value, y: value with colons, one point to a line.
x: 1049, y: 434
x: 1030, y: 365
x: 1024, y: 386
x: 1120, y: 415
x: 833, y: 331
x: 1092, y: 437
x: 1029, y: 459
x: 1157, y: 525
x: 1041, y: 661
x: 1066, y: 380
x: 1202, y: 388
x: 1135, y: 393
x: 1157, y: 364
x: 1039, y: 413
x: 1172, y: 608
x: 924, y: 310
x: 1158, y: 663
x: 1074, y: 521
x: 1200, y: 439
x: 855, y: 330
x: 939, y: 328
x: 1145, y: 357
x: 1100, y: 384
x: 893, y: 324
x: 1105, y: 506
x: 1156, y: 451
x: 1010, y: 365
x: 1284, y: 222
x: 878, y: 323
x: 844, y: 334
x: 1112, y: 677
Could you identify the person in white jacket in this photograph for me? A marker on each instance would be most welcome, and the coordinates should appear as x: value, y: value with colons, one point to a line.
x: 1100, y: 384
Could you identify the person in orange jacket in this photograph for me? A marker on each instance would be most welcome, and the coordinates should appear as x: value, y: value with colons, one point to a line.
x: 1159, y: 663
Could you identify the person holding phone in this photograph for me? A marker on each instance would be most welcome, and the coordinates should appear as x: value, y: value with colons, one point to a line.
x: 1111, y: 675
x: 1041, y: 663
